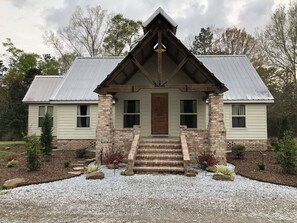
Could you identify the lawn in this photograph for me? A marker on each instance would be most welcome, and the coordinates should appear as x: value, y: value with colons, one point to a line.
x: 11, y: 143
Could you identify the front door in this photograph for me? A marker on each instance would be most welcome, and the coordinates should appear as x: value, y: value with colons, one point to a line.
x: 159, y: 113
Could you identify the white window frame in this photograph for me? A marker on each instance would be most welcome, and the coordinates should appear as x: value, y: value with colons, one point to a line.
x: 128, y: 113
x: 183, y: 113
x: 238, y: 116
x: 83, y: 116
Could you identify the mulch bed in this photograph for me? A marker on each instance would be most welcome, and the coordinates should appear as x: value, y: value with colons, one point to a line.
x: 273, y: 173
x: 52, y: 167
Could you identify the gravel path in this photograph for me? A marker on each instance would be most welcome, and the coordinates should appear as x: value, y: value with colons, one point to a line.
x: 150, y: 198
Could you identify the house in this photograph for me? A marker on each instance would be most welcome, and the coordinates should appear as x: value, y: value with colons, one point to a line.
x: 161, y: 92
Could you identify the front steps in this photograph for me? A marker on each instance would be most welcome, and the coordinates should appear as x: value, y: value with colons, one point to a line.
x: 159, y: 155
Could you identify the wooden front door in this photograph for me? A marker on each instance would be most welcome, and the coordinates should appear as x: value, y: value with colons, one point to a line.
x: 159, y: 113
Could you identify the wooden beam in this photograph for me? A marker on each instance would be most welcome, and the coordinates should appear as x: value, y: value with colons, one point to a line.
x: 117, y: 88
x: 159, y: 51
x: 177, y: 69
x: 143, y: 70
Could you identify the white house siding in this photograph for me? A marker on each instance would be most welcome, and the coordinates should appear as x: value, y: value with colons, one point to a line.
x: 33, y: 119
x: 174, y: 97
x: 256, y: 123
x: 67, y: 119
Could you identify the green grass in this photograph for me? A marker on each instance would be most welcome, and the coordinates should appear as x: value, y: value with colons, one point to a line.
x: 11, y: 143
x: 4, y: 153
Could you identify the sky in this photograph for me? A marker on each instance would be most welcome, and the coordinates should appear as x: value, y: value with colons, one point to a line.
x: 25, y: 21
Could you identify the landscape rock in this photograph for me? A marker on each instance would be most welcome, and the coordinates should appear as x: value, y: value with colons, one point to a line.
x: 12, y: 183
x: 75, y: 173
x: 223, y: 177
x: 95, y: 175
x: 211, y: 169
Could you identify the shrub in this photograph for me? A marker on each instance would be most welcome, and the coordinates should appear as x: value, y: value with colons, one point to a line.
x: 10, y: 157
x: 33, y: 152
x: 91, y: 168
x: 67, y: 163
x: 46, y: 137
x: 284, y: 125
x: 110, y: 159
x: 205, y: 159
x: 261, y: 165
x: 12, y: 163
x: 239, y: 151
x: 80, y: 153
x: 287, y: 154
x: 225, y: 170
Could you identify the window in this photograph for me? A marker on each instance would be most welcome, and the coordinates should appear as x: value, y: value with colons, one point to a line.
x: 42, y: 110
x: 238, y: 116
x: 83, y: 116
x: 188, y: 113
x: 131, y: 113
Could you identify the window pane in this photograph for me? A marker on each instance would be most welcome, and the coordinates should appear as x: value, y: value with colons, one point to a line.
x: 238, y: 110
x: 188, y: 106
x: 189, y: 120
x: 130, y: 120
x: 41, y: 111
x: 83, y: 122
x: 50, y: 110
x: 131, y: 106
x: 40, y: 121
x: 83, y: 110
x: 238, y: 122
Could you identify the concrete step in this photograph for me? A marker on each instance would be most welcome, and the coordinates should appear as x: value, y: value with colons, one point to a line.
x: 160, y: 145
x: 160, y: 140
x: 177, y: 163
x: 157, y: 150
x: 158, y: 169
x: 161, y: 156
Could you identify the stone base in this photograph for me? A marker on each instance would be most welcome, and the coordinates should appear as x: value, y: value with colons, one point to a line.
x: 74, y: 144
x: 250, y: 145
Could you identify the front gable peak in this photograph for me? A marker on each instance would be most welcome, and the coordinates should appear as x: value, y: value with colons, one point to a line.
x: 159, y: 19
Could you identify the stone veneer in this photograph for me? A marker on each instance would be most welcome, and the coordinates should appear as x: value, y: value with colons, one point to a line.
x: 250, y: 145
x: 73, y: 144
x: 197, y: 141
x: 216, y: 127
x: 104, y: 131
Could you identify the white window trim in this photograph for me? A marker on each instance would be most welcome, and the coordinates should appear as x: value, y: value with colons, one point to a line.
x: 180, y: 114
x: 130, y: 113
x: 83, y: 116
x: 245, y: 116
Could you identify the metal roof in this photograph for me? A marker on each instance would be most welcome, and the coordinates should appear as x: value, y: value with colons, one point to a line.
x: 83, y: 77
x: 240, y: 77
x: 42, y: 88
x: 78, y: 84
x: 159, y: 11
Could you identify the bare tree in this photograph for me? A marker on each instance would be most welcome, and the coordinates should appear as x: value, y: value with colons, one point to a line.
x: 279, y: 42
x: 83, y: 35
x: 235, y: 41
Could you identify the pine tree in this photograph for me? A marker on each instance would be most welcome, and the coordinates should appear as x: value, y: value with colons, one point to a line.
x: 46, y: 137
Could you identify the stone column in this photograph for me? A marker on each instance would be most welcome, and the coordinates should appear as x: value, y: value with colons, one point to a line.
x: 216, y: 127
x: 104, y: 132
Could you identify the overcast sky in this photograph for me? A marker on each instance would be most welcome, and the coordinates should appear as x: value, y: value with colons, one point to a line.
x: 25, y: 21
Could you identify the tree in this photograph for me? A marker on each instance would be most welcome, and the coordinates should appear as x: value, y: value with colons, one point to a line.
x: 202, y: 44
x: 235, y: 41
x: 83, y: 35
x: 13, y: 86
x: 3, y: 69
x: 121, y: 36
x: 46, y: 137
x: 279, y: 42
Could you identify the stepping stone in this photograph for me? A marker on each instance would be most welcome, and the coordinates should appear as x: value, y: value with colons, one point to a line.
x: 78, y: 168
x: 75, y: 173
x: 80, y: 161
x: 90, y: 160
x: 78, y: 164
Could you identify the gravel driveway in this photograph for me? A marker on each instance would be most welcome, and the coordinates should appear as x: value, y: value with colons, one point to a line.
x: 150, y: 198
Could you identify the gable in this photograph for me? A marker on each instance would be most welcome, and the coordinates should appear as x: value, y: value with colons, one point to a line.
x: 159, y: 44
